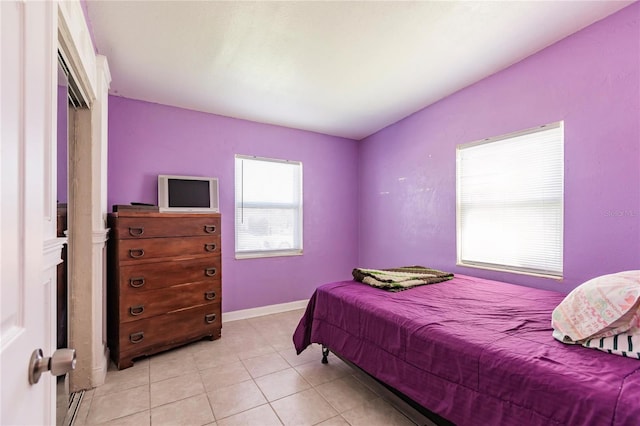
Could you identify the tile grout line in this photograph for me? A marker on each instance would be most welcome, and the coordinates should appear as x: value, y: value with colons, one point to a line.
x: 213, y: 413
x: 260, y: 389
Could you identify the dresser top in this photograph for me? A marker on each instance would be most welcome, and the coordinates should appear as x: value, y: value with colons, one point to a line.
x: 143, y: 213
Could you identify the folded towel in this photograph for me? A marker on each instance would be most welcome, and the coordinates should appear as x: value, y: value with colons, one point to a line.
x: 398, y: 279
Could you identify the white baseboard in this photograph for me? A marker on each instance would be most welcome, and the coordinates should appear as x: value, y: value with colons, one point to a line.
x: 263, y: 310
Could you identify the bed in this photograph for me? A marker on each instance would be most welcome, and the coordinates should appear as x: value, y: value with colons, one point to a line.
x: 474, y: 351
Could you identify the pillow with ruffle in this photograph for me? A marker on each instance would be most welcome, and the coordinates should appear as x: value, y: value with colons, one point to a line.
x: 601, y: 307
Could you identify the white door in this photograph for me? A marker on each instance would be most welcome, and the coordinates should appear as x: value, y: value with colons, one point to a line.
x: 25, y: 286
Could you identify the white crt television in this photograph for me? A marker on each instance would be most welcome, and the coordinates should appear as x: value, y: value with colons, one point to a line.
x: 189, y: 194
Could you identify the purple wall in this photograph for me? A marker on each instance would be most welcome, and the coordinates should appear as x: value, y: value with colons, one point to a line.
x: 148, y: 139
x: 591, y: 81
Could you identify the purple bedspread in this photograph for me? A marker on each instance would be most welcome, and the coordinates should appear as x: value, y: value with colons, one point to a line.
x: 474, y: 351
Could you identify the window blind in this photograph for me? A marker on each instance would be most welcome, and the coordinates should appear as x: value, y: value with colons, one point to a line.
x: 268, y: 208
x: 510, y: 193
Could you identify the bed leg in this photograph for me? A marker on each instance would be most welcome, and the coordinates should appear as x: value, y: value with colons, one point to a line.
x: 325, y: 354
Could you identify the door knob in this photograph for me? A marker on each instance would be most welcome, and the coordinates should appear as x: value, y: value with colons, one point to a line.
x: 61, y: 362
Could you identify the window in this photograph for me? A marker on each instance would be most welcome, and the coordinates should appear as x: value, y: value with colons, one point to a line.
x: 509, y: 202
x: 268, y: 207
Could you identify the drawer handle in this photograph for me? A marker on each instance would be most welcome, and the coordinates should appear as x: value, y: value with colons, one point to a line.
x: 210, y: 247
x: 136, y: 310
x: 210, y: 295
x: 210, y: 318
x: 136, y: 253
x: 136, y: 282
x: 209, y: 229
x: 136, y: 337
x: 210, y: 272
x: 136, y: 231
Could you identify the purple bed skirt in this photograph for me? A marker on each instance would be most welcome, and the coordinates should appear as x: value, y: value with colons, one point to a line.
x: 474, y: 351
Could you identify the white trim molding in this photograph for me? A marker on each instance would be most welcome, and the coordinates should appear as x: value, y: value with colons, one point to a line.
x: 77, y: 48
x: 100, y: 236
x: 52, y: 252
x: 263, y: 310
x: 99, y: 372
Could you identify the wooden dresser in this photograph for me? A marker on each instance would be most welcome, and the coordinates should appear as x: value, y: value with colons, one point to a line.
x: 164, y: 286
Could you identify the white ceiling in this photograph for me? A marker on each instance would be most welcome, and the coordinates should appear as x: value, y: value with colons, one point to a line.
x: 341, y: 68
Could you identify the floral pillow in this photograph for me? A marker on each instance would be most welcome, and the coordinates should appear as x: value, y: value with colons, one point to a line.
x: 601, y: 307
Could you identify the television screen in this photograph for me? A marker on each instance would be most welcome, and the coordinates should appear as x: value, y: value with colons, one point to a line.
x: 188, y: 193
x: 192, y: 194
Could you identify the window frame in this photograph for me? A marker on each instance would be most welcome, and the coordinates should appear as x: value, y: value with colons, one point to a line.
x: 459, y: 231
x: 298, y: 227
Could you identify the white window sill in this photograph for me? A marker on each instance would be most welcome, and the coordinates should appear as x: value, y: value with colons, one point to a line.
x: 258, y: 254
x: 513, y: 271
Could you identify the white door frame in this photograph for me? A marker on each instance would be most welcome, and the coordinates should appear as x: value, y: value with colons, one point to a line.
x: 87, y: 207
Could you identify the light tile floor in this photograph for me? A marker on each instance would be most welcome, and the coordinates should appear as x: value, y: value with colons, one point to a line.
x: 251, y: 376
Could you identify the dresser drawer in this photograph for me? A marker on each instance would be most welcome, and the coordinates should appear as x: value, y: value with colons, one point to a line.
x: 147, y: 304
x: 126, y: 228
x: 169, y: 329
x: 140, y: 278
x: 177, y: 248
